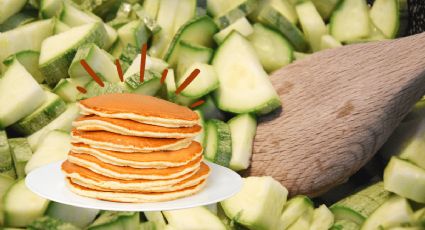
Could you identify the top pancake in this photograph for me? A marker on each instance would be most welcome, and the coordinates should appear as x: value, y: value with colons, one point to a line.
x: 140, y: 108
x: 133, y: 128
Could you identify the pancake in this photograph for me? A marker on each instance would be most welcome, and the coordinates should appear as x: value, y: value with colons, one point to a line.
x: 140, y: 108
x: 133, y: 128
x: 121, y: 143
x: 89, y: 179
x: 129, y: 173
x: 158, y: 159
x: 129, y: 197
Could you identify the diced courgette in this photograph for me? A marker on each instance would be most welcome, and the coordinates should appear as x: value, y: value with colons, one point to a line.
x: 218, y: 142
x: 244, y: 85
x: 258, y: 205
x: 56, y: 56
x: 52, y: 107
x: 20, y: 94
x: 21, y: 154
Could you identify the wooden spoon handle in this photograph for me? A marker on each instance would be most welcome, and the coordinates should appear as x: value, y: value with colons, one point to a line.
x: 339, y: 107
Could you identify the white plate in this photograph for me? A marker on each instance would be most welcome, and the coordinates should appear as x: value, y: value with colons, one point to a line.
x: 49, y: 182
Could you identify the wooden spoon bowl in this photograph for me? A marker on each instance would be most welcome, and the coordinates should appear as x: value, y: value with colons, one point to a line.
x: 338, y: 108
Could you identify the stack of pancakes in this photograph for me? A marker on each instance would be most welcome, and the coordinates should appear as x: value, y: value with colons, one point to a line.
x: 135, y: 148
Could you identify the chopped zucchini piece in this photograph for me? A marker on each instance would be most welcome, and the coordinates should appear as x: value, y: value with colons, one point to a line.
x: 244, y: 85
x: 405, y: 179
x: 80, y: 217
x: 394, y: 212
x: 193, y: 218
x: 231, y: 16
x: 20, y: 94
x: 258, y: 205
x: 385, y: 16
x: 6, y: 161
x: 218, y: 142
x: 52, y: 107
x: 29, y: 59
x: 323, y: 218
x: 134, y: 33
x: 9, y: 8
x: 271, y: 16
x: 21, y: 206
x: 203, y: 84
x: 241, y: 25
x: 329, y: 42
x: 312, y: 24
x: 242, y: 129
x: 116, y: 220
x: 99, y: 60
x: 198, y: 31
x: 350, y: 21
x: 63, y: 122
x: 273, y: 50
x: 55, y: 57
x: 54, y: 147
x: 189, y: 54
x: 21, y: 154
x: 26, y: 37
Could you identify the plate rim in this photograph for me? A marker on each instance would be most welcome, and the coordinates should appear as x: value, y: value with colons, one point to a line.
x: 119, y: 206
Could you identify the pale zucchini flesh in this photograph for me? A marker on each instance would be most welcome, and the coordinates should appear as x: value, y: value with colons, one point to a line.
x: 242, y: 129
x: 99, y: 60
x: 193, y: 218
x: 294, y: 209
x: 198, y: 31
x: 80, y: 217
x: 54, y: 147
x: 67, y: 90
x: 62, y: 122
x: 350, y: 21
x: 259, y: 203
x: 329, y: 42
x: 312, y: 24
x: 385, y: 16
x: 6, y: 162
x: 20, y: 94
x: 188, y: 54
x: 323, y: 218
x: 21, y: 154
x: 241, y: 25
x: 26, y: 37
x: 55, y: 57
x: 21, y: 206
x: 29, y: 59
x: 394, y: 212
x: 218, y: 142
x: 405, y: 179
x: 9, y: 8
x: 186, y: 10
x: 273, y: 50
x: 244, y: 85
x: 203, y: 84
x: 52, y: 107
x: 271, y: 16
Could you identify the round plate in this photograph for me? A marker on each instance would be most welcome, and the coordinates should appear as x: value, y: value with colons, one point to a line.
x: 49, y: 182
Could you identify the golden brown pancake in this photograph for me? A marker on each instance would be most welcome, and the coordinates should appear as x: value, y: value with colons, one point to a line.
x: 141, y: 108
x: 158, y: 159
x: 117, y: 142
x: 133, y: 128
x: 89, y: 179
x: 128, y: 173
x: 134, y: 197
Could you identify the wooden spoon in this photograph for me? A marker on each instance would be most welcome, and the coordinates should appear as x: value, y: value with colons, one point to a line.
x: 338, y: 107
